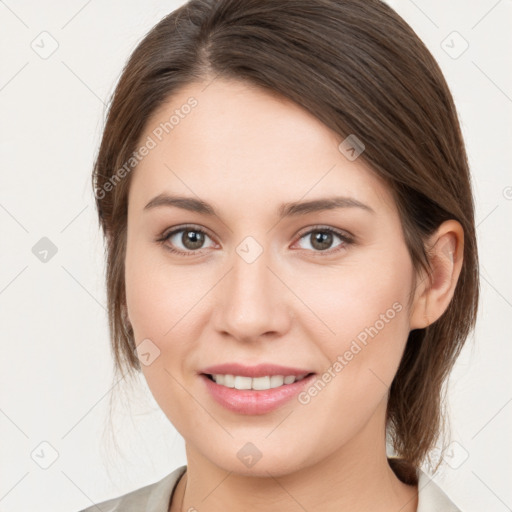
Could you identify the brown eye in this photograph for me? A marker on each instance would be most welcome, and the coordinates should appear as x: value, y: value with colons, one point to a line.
x: 322, y: 239
x: 185, y: 240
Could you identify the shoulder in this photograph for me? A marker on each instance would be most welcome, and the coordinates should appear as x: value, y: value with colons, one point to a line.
x: 154, y: 497
x: 431, y: 498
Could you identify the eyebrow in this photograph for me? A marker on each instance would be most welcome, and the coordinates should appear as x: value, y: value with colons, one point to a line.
x: 285, y: 210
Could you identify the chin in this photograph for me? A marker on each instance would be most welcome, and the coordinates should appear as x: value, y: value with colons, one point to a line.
x: 253, y: 459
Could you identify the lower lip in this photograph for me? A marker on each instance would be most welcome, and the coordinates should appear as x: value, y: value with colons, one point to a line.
x: 250, y: 401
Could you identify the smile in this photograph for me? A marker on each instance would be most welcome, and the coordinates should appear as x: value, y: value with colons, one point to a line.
x: 254, y: 395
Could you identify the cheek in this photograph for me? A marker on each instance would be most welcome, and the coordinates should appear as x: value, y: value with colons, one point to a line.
x: 164, y: 306
x: 157, y: 295
x: 364, y: 312
x: 366, y: 308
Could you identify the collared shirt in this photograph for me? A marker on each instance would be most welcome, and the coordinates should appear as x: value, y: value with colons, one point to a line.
x: 156, y: 497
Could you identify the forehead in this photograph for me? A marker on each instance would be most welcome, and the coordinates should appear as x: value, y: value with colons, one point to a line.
x: 227, y: 141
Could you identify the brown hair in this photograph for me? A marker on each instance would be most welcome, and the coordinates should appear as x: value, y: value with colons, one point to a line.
x: 360, y: 69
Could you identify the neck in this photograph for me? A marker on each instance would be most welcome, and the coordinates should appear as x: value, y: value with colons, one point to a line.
x: 356, y: 477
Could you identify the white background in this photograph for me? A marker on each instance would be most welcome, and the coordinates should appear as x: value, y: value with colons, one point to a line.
x: 56, y: 367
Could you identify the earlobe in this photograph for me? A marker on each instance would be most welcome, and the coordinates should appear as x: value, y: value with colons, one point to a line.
x: 435, y: 290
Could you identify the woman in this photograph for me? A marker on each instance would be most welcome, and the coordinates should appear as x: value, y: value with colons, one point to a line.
x: 291, y: 254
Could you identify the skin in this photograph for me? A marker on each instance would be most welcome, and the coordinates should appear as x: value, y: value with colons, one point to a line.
x: 246, y: 152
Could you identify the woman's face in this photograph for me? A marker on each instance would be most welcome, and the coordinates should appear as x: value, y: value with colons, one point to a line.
x: 264, y: 280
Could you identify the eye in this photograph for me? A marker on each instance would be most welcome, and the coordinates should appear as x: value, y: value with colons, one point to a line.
x: 321, y: 239
x: 188, y: 240
x: 191, y: 239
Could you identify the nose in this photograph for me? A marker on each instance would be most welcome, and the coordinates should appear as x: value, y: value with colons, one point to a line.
x: 252, y: 301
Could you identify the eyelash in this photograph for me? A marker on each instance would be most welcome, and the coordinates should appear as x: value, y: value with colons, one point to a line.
x: 345, y: 238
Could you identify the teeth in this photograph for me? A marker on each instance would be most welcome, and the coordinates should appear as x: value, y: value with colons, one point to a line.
x: 243, y: 382
x: 227, y: 380
x: 262, y: 383
x: 257, y: 383
x: 277, y: 380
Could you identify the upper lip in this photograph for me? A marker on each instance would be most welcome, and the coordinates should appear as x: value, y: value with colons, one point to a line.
x: 260, y: 370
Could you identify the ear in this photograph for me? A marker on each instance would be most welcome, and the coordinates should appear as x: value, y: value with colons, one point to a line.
x: 434, y: 291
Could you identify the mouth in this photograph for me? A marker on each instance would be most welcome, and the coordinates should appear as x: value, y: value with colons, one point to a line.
x: 255, y: 395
